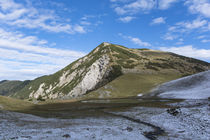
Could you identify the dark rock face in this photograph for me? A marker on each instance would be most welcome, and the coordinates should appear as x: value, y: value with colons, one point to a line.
x: 26, y: 137
x: 129, y: 129
x: 66, y: 136
x: 174, y: 111
x: 14, y: 138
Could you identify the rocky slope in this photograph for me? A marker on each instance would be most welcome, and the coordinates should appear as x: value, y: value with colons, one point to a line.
x: 104, y: 64
x: 134, y: 119
x: 196, y: 86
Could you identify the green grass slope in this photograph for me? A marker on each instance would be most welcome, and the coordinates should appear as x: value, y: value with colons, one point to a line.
x: 7, y: 103
x: 131, y: 85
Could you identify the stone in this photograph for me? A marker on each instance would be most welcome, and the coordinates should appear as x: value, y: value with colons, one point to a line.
x: 67, y: 136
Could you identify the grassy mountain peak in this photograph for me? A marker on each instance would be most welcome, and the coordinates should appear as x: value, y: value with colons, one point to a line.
x: 106, y: 64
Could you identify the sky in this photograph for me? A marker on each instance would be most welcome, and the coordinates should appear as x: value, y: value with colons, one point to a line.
x: 40, y: 37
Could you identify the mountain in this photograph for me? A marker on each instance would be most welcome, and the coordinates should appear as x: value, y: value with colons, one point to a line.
x: 108, y: 65
x: 7, y: 87
x: 196, y: 86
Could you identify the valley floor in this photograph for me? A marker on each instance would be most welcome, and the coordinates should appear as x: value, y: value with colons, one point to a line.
x: 152, y: 119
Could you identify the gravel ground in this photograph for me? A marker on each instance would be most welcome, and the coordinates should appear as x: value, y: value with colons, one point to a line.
x: 189, y: 120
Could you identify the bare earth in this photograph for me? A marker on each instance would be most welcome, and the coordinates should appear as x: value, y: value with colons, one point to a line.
x: 151, y: 119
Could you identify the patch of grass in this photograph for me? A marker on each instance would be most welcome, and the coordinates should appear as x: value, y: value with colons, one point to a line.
x: 143, y: 49
x: 8, y: 103
x: 161, y: 65
x: 70, y: 109
x: 123, y: 53
x: 160, y: 59
x: 126, y: 63
x: 198, y: 69
x: 132, y: 84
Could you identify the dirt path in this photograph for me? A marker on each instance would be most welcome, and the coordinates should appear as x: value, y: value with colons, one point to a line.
x: 152, y: 135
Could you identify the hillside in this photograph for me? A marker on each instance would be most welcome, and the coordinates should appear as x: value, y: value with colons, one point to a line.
x: 196, y: 86
x: 7, y: 103
x: 109, y: 65
x: 7, y: 88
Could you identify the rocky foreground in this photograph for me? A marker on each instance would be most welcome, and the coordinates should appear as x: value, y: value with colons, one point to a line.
x: 165, y: 119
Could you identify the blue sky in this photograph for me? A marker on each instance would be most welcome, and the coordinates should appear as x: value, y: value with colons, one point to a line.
x: 39, y: 37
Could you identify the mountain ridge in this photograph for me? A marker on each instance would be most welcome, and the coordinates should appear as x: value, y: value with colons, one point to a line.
x: 8, y: 87
x: 104, y: 64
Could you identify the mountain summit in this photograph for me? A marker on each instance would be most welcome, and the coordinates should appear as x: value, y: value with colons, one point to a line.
x: 103, y: 65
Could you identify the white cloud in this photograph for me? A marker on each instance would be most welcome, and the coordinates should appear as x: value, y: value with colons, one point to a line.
x: 85, y: 23
x: 119, y: 0
x: 189, y: 51
x: 172, y: 28
x: 8, y: 5
x: 131, y: 7
x: 79, y: 29
x: 141, y: 4
x: 180, y: 41
x: 201, y: 7
x: 90, y: 21
x: 17, y: 70
x: 205, y: 40
x: 184, y: 27
x: 18, y: 41
x: 165, y: 4
x: 13, y: 15
x: 120, y: 11
x: 126, y: 19
x: 135, y: 40
x: 134, y: 7
x: 201, y: 37
x: 169, y: 36
x: 208, y: 27
x: 20, y: 53
x: 159, y: 20
x: 19, y: 15
x: 139, y: 42
x: 197, y: 23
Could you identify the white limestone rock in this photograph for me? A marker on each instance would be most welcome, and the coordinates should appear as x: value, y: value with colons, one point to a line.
x: 39, y: 92
x: 94, y: 75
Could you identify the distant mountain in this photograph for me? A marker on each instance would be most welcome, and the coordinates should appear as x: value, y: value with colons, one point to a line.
x: 8, y: 88
x: 112, y: 71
